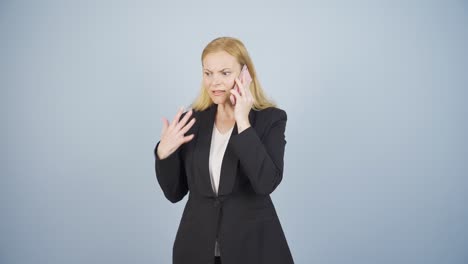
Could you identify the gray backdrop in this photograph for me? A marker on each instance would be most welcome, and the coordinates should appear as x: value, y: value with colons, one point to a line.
x: 376, y: 155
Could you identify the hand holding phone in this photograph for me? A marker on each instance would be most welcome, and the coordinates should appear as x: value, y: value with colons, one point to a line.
x: 245, y: 78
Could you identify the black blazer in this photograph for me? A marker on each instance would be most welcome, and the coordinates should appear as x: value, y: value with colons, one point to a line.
x: 242, y: 215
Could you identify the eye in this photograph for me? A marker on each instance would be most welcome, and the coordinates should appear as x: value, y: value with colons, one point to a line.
x: 207, y: 73
x: 226, y: 73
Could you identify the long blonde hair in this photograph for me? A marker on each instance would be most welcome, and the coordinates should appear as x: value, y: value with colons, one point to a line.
x: 236, y: 49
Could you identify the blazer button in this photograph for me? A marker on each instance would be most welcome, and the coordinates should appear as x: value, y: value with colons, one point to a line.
x: 217, y: 203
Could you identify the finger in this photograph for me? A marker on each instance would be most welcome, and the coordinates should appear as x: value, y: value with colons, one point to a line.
x: 175, y: 121
x: 187, y: 138
x: 184, y: 120
x: 188, y: 126
x: 165, y: 125
x: 240, y: 96
x: 240, y: 85
x: 232, y: 98
x: 248, y: 91
x: 235, y: 93
x: 243, y: 88
x: 247, y: 85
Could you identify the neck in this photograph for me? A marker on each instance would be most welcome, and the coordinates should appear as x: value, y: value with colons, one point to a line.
x: 225, y: 111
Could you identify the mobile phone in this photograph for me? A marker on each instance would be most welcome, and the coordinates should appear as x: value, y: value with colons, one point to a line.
x: 244, y: 74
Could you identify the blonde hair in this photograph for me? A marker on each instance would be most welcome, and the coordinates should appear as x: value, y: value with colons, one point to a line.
x: 236, y: 49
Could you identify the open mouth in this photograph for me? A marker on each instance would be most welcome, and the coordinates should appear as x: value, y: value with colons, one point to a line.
x: 219, y: 92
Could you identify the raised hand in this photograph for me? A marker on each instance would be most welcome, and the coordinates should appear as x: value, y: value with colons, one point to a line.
x: 172, y: 135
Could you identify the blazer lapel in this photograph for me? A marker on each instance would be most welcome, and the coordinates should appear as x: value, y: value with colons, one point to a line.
x: 202, y: 152
x: 228, y: 168
x: 229, y: 162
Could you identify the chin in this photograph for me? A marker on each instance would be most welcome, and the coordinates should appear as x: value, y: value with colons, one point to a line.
x: 218, y: 100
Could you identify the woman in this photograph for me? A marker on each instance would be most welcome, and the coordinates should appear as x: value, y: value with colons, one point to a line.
x: 230, y: 157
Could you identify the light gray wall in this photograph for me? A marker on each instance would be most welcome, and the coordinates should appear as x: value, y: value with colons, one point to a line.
x: 376, y: 154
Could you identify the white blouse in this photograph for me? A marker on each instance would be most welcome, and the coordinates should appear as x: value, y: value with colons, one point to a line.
x: 218, y: 146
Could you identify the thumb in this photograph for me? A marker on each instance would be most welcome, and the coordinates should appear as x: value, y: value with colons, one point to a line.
x: 233, y: 99
x: 188, y: 138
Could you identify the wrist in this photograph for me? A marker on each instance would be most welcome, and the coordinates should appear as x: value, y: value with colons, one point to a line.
x: 161, y: 154
x: 242, y: 126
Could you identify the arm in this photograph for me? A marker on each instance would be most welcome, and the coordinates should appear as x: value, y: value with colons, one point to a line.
x: 262, y: 161
x: 171, y: 175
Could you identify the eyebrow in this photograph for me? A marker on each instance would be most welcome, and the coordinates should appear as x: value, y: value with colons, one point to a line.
x: 220, y: 70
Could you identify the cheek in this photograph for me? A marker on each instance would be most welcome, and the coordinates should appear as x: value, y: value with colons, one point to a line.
x: 230, y: 82
x: 206, y: 82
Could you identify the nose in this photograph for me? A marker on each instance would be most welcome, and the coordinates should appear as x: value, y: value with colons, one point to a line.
x: 216, y: 80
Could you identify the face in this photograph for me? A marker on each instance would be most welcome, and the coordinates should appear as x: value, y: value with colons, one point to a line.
x: 219, y: 72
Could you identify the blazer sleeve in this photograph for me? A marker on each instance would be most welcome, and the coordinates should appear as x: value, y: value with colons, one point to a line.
x: 170, y: 173
x: 262, y: 160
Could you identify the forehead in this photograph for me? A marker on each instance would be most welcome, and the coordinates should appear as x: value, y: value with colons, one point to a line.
x: 219, y: 60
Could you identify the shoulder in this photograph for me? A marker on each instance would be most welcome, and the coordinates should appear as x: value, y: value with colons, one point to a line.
x: 272, y: 114
x: 268, y: 118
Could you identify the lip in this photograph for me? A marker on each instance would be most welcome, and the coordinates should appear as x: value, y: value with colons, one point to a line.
x: 218, y: 92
